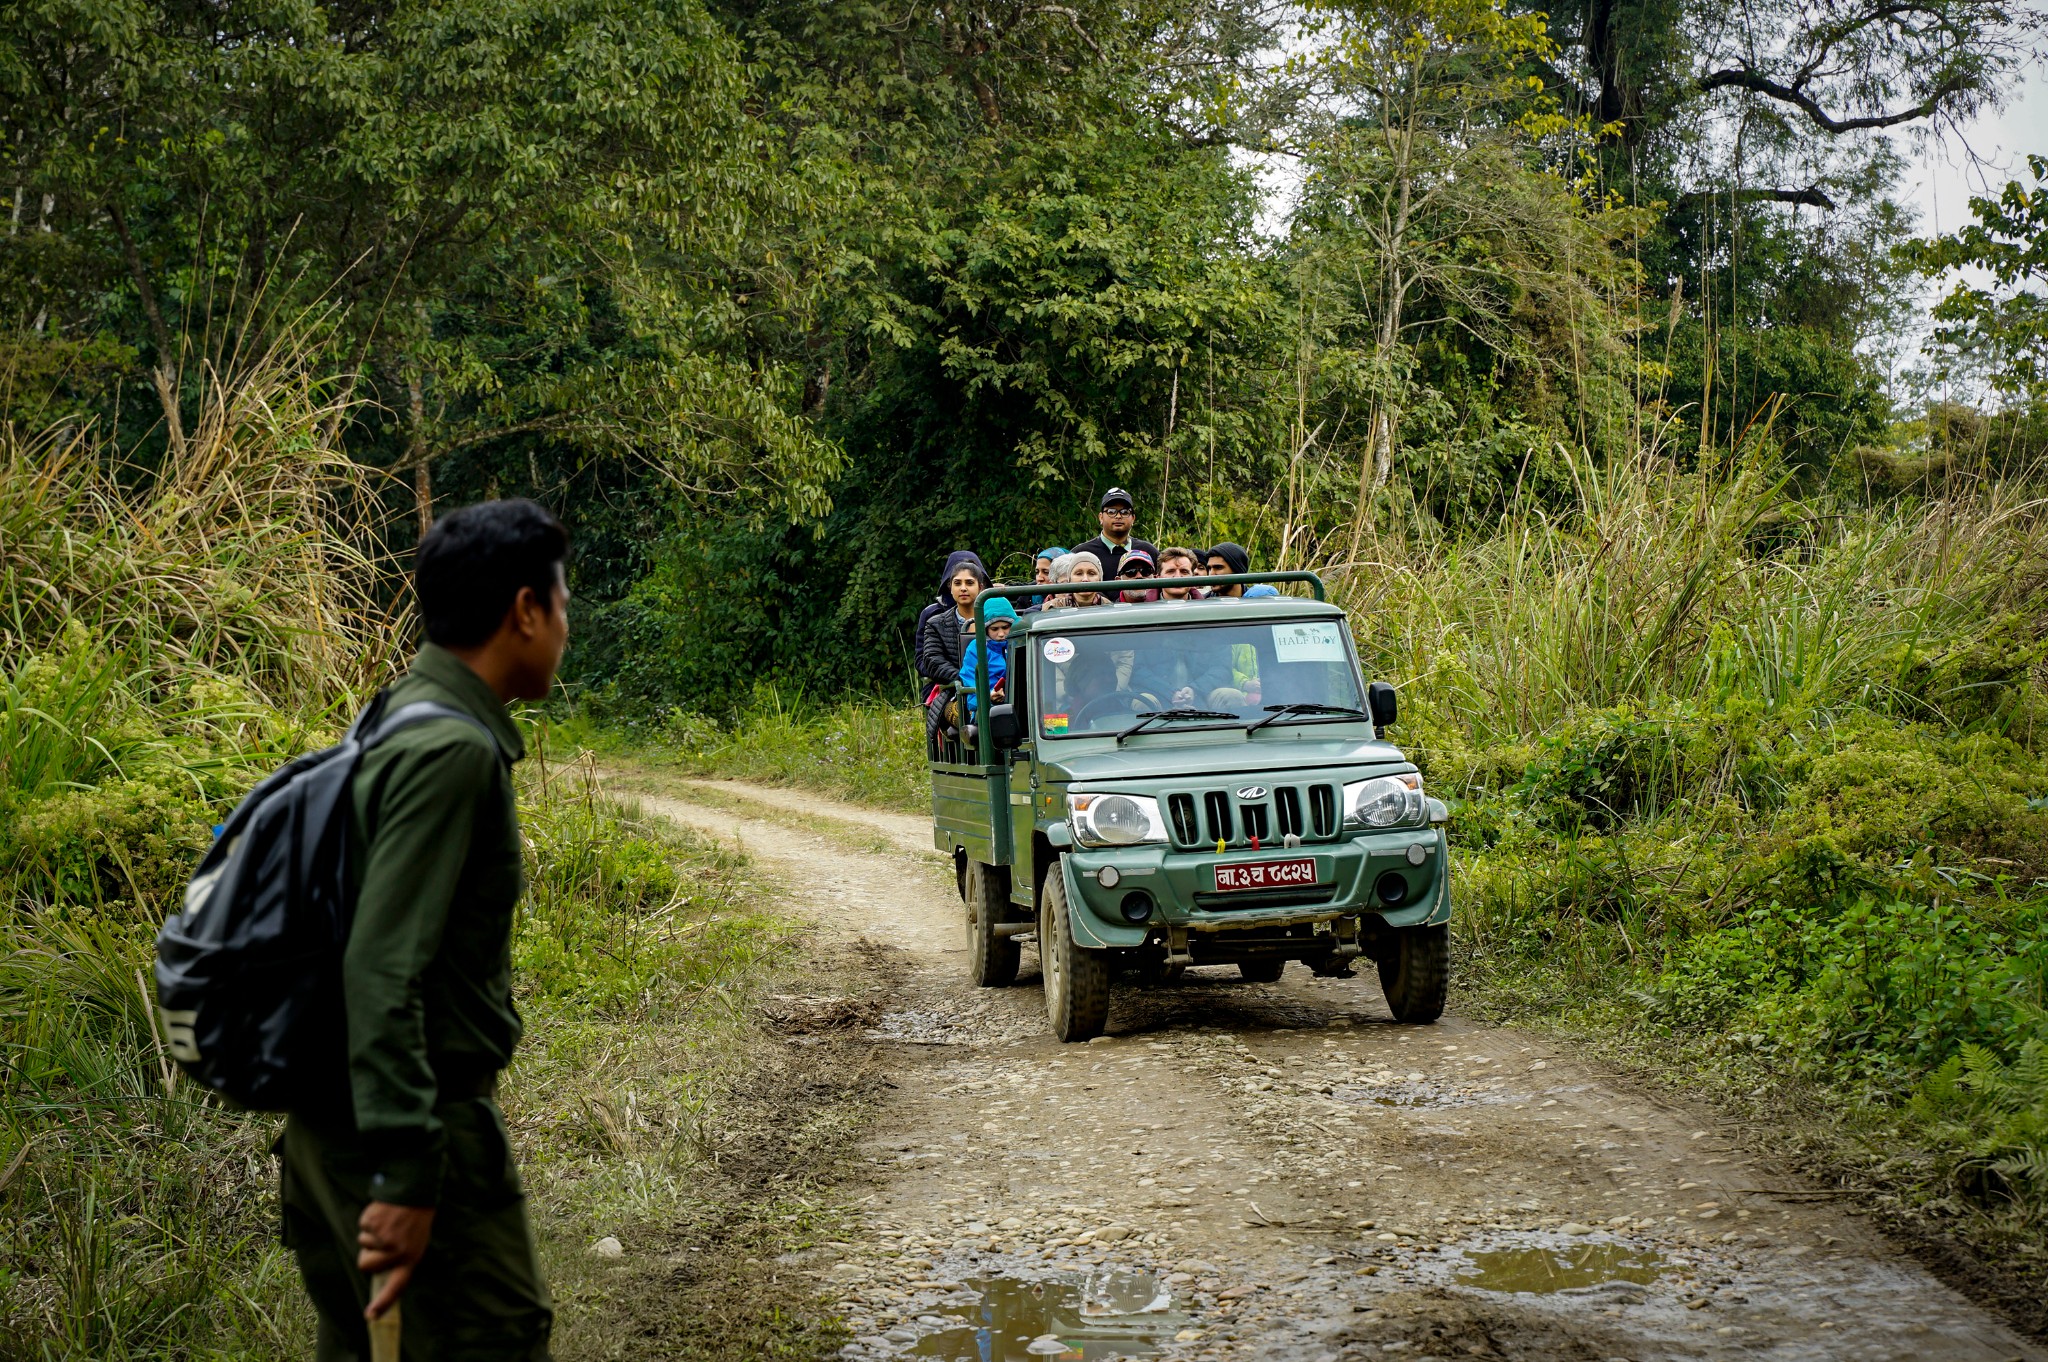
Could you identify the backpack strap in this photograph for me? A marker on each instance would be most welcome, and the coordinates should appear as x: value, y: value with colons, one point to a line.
x: 420, y: 711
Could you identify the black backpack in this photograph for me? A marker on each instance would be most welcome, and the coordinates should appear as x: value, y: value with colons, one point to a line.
x: 248, y: 977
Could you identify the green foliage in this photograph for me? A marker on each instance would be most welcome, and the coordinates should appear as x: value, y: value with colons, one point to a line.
x: 1998, y: 335
x: 855, y: 749
x: 1992, y: 1119
x: 173, y: 635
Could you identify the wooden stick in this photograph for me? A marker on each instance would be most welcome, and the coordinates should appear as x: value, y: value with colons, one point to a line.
x: 385, y: 1329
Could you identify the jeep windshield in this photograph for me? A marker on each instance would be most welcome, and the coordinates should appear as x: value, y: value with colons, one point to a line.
x: 1096, y: 682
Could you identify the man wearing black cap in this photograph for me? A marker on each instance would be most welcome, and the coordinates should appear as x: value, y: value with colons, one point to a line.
x: 1118, y: 519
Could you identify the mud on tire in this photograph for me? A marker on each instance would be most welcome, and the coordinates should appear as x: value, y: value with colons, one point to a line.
x: 1076, y: 980
x: 991, y: 959
x: 1415, y: 973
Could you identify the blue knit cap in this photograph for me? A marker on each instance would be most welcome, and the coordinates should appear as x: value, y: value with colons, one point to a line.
x: 1000, y: 609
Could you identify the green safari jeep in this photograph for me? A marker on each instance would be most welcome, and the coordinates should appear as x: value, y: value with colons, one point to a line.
x: 1190, y: 783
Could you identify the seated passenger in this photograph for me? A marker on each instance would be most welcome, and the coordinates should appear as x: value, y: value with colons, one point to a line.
x: 1041, y: 573
x: 1000, y: 618
x: 1228, y: 559
x: 942, y: 638
x: 1137, y: 565
x: 1071, y: 571
x: 1179, y: 562
x: 937, y: 645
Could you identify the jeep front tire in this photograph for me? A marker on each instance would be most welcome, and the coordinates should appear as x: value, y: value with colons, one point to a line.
x: 1076, y: 980
x: 1415, y: 973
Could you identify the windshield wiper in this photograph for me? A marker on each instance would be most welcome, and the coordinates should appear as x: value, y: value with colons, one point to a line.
x: 1275, y: 713
x: 1145, y: 719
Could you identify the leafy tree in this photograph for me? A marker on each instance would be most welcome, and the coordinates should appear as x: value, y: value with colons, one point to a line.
x: 1998, y: 333
x: 517, y: 217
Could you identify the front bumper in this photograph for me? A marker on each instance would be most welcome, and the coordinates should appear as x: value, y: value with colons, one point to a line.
x: 1181, y: 885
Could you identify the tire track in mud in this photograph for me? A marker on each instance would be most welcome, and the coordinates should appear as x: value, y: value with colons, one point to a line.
x: 1281, y: 1171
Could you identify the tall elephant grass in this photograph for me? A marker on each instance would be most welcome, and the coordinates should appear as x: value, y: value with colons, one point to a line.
x: 1762, y: 774
x: 168, y: 631
x: 1658, y: 585
x: 244, y: 552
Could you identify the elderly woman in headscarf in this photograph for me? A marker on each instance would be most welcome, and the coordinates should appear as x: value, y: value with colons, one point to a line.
x: 1074, y: 571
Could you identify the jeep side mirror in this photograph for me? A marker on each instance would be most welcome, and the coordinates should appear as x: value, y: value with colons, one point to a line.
x: 1004, y: 732
x: 1380, y: 699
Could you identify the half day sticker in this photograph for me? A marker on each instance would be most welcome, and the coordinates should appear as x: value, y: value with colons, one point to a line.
x: 1310, y: 641
x: 1059, y: 650
x: 1055, y: 723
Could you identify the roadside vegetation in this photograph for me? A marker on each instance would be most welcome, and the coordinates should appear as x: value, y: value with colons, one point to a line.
x: 170, y: 634
x: 1745, y: 778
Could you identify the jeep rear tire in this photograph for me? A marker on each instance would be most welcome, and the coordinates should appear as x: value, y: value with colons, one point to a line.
x: 991, y: 959
x: 1416, y: 973
x: 1076, y: 980
x: 1262, y: 971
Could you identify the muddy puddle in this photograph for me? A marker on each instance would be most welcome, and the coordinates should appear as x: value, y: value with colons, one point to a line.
x: 1541, y: 1269
x: 1087, y: 1319
x: 1418, y: 1092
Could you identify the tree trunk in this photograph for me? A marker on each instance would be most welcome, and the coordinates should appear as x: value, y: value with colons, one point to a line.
x: 164, y: 378
x: 416, y: 453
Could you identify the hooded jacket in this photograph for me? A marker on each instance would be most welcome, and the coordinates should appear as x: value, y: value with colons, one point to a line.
x: 998, y: 652
x: 940, y: 637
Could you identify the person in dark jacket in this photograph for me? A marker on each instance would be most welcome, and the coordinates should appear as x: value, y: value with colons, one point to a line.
x: 942, y: 638
x: 1228, y: 559
x: 398, y: 1169
x: 955, y: 560
x: 1119, y: 520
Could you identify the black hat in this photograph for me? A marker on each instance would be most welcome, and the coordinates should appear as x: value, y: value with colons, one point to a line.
x: 1116, y: 494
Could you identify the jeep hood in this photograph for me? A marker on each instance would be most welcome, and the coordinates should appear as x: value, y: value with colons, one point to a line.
x: 1269, y: 754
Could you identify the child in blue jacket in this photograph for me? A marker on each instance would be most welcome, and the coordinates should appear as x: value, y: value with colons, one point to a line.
x: 1000, y: 618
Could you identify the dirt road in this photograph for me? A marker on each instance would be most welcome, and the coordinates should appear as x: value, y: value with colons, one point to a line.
x: 1281, y: 1171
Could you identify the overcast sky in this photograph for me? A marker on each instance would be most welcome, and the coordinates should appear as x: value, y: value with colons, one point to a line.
x: 1943, y: 178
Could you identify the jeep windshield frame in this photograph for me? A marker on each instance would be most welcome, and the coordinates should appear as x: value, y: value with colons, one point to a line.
x: 1230, y: 665
x: 984, y: 743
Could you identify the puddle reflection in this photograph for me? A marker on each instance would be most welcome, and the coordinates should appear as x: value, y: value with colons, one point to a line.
x: 1107, y: 1315
x: 1560, y: 1268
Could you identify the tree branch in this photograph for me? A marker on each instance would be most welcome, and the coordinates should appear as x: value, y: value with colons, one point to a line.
x: 1812, y: 196
x: 1743, y: 79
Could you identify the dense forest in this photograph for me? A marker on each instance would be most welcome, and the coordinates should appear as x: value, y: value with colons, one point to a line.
x: 1691, y: 491
x: 778, y: 302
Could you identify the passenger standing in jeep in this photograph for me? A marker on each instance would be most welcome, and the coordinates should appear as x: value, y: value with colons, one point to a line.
x: 398, y: 1170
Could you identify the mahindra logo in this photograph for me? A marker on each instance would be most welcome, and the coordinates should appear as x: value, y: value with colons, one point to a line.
x: 1252, y: 792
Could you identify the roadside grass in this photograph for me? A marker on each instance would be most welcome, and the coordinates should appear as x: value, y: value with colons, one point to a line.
x: 170, y: 636
x: 864, y: 750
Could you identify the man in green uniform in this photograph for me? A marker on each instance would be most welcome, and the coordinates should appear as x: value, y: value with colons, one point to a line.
x: 401, y: 1166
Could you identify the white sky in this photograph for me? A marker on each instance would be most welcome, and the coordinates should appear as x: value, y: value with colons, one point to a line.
x: 1943, y: 177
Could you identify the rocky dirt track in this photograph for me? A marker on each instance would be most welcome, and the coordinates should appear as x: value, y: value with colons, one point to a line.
x: 1281, y: 1171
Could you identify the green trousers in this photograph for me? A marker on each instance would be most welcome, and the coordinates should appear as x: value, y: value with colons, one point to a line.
x: 477, y: 1295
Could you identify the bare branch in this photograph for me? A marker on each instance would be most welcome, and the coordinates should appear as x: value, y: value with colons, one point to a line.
x: 1741, y: 78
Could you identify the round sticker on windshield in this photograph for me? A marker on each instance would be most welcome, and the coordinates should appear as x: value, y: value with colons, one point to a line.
x: 1059, y: 650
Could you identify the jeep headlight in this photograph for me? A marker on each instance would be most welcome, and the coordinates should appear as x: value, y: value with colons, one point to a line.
x: 1385, y: 802
x: 1115, y: 820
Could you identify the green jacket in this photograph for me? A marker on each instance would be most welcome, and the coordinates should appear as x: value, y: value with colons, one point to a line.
x: 435, y: 851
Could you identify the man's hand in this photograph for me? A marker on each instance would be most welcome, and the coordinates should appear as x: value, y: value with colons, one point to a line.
x: 1184, y: 696
x: 393, y: 1239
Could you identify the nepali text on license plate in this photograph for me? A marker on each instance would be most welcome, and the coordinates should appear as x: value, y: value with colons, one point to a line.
x: 1266, y: 874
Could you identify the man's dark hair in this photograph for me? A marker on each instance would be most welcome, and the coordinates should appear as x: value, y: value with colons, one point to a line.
x: 471, y: 564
